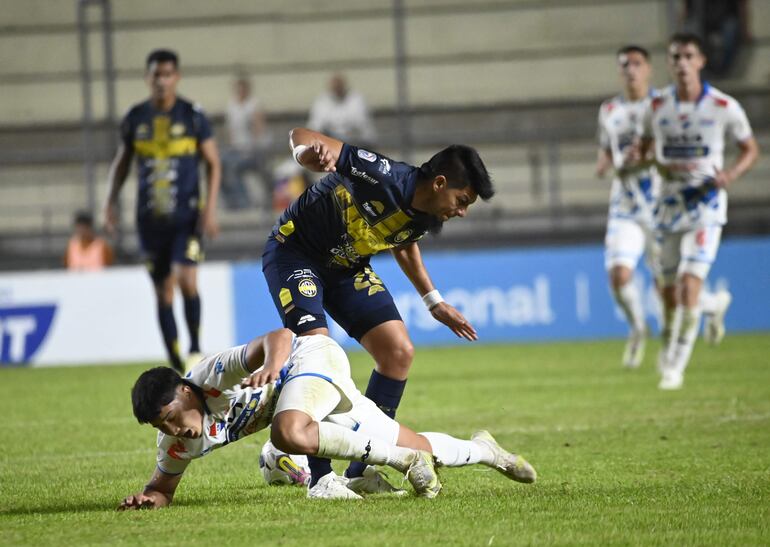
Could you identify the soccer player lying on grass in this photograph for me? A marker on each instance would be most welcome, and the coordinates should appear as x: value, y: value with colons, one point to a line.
x: 301, y: 387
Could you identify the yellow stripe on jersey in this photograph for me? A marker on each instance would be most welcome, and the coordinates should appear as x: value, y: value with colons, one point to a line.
x: 368, y: 239
x: 163, y: 145
x: 287, y: 229
x: 285, y: 296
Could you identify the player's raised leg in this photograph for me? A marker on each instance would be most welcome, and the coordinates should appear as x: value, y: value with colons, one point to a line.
x: 714, y: 307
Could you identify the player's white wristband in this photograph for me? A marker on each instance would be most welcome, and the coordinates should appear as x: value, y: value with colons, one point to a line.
x: 297, y: 152
x: 431, y: 299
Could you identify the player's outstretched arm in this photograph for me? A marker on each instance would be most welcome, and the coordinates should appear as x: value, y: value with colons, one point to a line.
x: 313, y: 150
x: 265, y: 356
x: 410, y: 261
x: 118, y: 173
x: 156, y: 494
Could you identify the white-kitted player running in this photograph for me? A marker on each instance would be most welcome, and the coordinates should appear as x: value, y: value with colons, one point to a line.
x: 634, y: 193
x: 301, y: 387
x: 688, y: 123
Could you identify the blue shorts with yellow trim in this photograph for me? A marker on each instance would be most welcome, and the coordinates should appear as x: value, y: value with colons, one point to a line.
x: 301, y: 289
x: 165, y: 244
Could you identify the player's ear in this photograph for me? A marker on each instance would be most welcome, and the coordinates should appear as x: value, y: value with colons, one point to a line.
x: 439, y: 183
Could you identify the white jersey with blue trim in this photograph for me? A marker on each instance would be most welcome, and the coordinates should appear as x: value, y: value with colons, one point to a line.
x: 232, y: 411
x: 689, y: 149
x: 634, y: 192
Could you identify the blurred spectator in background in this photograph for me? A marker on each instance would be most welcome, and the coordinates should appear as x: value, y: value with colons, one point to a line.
x: 87, y: 252
x: 248, y: 144
x: 343, y: 114
x: 723, y: 25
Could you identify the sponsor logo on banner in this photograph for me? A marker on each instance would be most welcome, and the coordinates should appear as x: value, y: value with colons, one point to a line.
x: 362, y: 175
x: 307, y: 288
x: 366, y: 155
x: 23, y: 330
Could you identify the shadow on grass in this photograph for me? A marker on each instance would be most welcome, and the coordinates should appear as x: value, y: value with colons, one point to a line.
x: 64, y: 507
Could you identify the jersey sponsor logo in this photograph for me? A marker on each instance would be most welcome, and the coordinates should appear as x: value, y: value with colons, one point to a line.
x: 305, y: 319
x: 301, y: 274
x: 177, y: 130
x: 683, y: 151
x: 366, y: 155
x: 384, y: 166
x: 307, y: 288
x: 402, y: 236
x: 363, y: 175
x: 706, y: 122
x: 219, y: 368
x: 374, y: 208
x: 23, y: 330
x: 236, y: 424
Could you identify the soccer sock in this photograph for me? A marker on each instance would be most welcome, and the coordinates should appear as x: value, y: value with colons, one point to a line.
x: 318, y: 468
x: 335, y: 441
x: 708, y: 302
x: 630, y: 302
x: 386, y: 394
x: 168, y: 330
x: 668, y: 326
x: 453, y: 452
x: 192, y: 313
x: 685, y: 339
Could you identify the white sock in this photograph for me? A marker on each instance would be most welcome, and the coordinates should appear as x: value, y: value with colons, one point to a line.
x: 684, y: 342
x: 630, y: 302
x: 708, y: 302
x: 453, y: 452
x: 337, y: 442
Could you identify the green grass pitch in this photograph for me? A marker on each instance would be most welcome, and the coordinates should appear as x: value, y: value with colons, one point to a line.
x: 619, y: 462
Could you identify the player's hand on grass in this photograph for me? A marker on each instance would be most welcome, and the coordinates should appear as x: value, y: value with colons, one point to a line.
x: 453, y: 319
x: 262, y: 376
x: 137, y: 501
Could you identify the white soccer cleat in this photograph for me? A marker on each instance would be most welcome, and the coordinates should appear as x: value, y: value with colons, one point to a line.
x: 373, y: 482
x: 671, y: 380
x: 332, y: 487
x: 422, y: 475
x: 634, y: 352
x: 512, y: 466
x: 714, y: 328
x: 192, y: 360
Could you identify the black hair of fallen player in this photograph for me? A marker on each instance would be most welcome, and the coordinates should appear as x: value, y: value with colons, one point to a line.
x: 155, y: 388
x: 462, y: 166
x: 633, y: 48
x: 162, y: 56
x: 684, y: 38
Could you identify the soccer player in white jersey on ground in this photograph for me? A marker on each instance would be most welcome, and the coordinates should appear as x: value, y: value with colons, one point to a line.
x: 313, y: 409
x: 689, y: 123
x: 635, y: 189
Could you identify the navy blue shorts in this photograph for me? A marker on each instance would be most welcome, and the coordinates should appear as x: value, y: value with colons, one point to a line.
x: 301, y: 289
x: 163, y: 245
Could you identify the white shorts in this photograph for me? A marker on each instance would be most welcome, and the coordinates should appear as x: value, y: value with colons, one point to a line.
x: 692, y: 252
x: 625, y: 242
x: 319, y: 384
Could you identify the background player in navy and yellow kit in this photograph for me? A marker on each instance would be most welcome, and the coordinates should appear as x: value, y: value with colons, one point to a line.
x: 317, y: 257
x: 169, y: 135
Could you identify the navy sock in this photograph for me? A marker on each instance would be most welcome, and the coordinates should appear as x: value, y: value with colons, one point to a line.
x: 318, y: 468
x: 168, y: 330
x: 386, y: 394
x: 192, y: 314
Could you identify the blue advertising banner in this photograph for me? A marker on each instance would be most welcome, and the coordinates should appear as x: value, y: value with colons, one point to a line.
x: 528, y: 294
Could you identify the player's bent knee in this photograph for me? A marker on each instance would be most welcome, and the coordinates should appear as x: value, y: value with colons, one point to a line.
x: 620, y: 276
x: 291, y: 432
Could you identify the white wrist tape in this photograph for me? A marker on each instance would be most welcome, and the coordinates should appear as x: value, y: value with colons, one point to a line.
x: 297, y: 152
x: 432, y: 298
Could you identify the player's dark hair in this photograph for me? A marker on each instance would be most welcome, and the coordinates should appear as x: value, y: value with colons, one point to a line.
x: 462, y: 166
x: 85, y: 218
x: 633, y: 48
x: 162, y: 56
x: 154, y: 389
x: 684, y: 38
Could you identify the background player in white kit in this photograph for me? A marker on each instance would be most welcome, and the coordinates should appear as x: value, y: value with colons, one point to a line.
x: 635, y: 189
x: 314, y: 409
x: 688, y: 123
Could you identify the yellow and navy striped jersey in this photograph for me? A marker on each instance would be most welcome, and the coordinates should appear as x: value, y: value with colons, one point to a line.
x: 166, y: 145
x: 361, y: 209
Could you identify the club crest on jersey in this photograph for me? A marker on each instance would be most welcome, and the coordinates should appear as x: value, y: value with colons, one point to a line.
x: 307, y: 288
x: 366, y: 155
x: 402, y: 236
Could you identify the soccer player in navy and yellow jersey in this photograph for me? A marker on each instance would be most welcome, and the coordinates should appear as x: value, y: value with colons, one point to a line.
x: 317, y: 257
x: 169, y: 135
